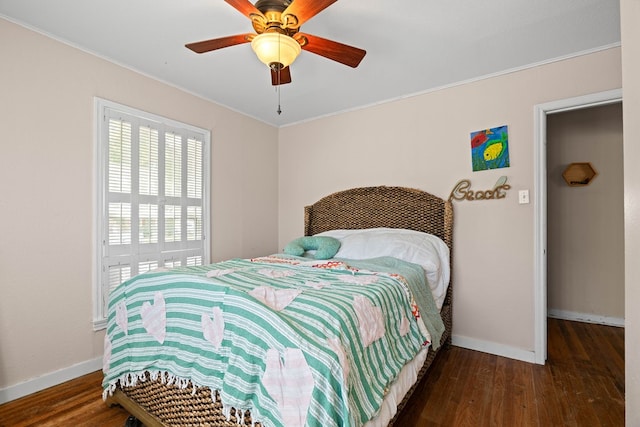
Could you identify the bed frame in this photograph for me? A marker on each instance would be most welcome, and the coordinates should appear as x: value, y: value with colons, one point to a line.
x: 156, y: 404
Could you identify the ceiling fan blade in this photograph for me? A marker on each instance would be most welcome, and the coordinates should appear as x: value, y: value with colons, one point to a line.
x: 245, y: 7
x: 283, y: 78
x: 345, y: 54
x: 213, y: 44
x: 307, y: 9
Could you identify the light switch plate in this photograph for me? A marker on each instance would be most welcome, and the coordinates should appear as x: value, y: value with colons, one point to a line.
x: 523, y: 197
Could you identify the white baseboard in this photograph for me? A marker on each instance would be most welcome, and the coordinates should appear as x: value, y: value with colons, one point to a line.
x: 493, y: 348
x: 49, y: 380
x: 58, y: 377
x: 585, y: 317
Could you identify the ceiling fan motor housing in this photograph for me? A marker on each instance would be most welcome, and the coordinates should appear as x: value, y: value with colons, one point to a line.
x: 266, y: 6
x: 272, y: 18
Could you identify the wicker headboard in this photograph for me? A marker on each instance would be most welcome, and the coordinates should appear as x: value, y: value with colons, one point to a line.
x: 371, y: 207
x: 393, y: 207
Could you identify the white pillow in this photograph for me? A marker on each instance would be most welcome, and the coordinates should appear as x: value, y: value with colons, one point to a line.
x: 424, y: 249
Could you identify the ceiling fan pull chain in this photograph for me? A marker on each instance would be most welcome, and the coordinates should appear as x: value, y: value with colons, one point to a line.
x: 279, y: 111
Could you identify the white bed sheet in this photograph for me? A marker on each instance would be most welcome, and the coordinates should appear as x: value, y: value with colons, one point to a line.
x: 398, y: 390
x: 424, y: 249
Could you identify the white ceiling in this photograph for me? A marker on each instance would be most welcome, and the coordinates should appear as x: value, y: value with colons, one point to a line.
x: 413, y: 46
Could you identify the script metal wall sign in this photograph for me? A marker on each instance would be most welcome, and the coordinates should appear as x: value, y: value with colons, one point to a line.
x: 463, y: 191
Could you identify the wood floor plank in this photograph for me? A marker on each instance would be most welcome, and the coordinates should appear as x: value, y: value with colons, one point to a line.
x: 74, y: 403
x: 478, y: 379
x: 582, y: 384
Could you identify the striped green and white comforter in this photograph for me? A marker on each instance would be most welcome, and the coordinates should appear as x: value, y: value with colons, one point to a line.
x: 298, y: 342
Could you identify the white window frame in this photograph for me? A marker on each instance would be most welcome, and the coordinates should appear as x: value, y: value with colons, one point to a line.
x: 102, y: 109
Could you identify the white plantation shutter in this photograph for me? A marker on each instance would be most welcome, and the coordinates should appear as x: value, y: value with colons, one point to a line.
x: 148, y: 164
x: 194, y: 168
x: 119, y: 166
x: 194, y: 222
x: 152, y: 182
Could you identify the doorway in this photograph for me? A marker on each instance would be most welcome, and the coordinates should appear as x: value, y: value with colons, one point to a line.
x: 540, y: 203
x: 585, y: 213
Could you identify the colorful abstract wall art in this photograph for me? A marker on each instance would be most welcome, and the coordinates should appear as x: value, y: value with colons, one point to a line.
x: 490, y: 149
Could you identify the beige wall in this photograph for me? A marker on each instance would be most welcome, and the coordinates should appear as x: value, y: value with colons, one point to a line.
x: 585, y: 225
x: 423, y: 142
x: 630, y: 14
x: 46, y: 190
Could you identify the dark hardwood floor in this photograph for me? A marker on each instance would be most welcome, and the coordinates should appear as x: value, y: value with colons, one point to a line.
x: 582, y: 384
x: 75, y: 403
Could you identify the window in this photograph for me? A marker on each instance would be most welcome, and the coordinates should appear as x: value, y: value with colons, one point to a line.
x: 152, y: 183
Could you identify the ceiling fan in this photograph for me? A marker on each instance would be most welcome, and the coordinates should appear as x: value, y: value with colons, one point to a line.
x: 278, y: 40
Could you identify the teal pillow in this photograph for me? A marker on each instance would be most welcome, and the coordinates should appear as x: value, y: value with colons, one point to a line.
x: 326, y: 247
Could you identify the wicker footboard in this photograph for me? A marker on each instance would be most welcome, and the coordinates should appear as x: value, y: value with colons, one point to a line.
x: 158, y: 405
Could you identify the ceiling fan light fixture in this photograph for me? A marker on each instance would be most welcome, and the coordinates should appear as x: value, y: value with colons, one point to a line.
x: 275, y: 50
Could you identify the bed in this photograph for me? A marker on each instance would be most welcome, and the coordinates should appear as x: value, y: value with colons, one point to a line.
x: 157, y: 398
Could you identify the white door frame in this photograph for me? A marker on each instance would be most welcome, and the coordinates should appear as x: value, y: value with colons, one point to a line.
x: 540, y: 112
